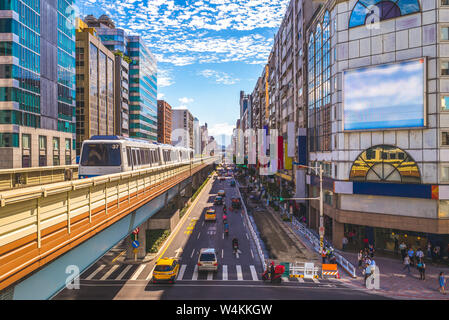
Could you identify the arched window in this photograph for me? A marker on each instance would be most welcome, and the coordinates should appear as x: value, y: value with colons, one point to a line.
x: 384, y: 163
x: 378, y: 10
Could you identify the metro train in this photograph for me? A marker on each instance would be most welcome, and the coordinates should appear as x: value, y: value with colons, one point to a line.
x: 101, y: 155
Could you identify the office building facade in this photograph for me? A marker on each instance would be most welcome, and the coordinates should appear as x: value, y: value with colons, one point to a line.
x: 164, y: 122
x: 37, y: 83
x: 95, y: 86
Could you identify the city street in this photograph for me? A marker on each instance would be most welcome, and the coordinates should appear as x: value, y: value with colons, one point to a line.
x: 236, y: 278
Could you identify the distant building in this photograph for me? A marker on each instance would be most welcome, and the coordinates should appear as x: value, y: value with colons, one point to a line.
x: 182, y: 130
x: 204, y: 137
x: 95, y: 75
x: 196, y: 136
x: 121, y: 96
x: 164, y: 122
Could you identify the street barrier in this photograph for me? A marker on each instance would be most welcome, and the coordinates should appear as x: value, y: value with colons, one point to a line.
x: 306, y: 270
x: 250, y: 227
x: 329, y: 270
x: 315, y: 242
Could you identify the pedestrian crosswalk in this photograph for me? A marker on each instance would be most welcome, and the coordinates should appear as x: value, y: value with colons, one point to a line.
x: 122, y: 272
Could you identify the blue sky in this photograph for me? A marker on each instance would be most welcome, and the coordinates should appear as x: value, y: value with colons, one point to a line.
x: 207, y: 51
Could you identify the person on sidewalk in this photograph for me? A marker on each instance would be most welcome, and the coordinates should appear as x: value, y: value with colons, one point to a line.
x: 411, y: 255
x: 406, y: 263
x: 429, y: 250
x: 403, y: 248
x: 367, y: 271
x: 360, y: 258
x: 323, y: 255
x: 344, y: 242
x: 442, y: 282
x: 422, y: 269
x: 419, y: 255
x: 371, y: 251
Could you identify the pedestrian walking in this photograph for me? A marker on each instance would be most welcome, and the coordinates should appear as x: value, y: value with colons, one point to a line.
x: 406, y: 263
x: 371, y: 251
x: 403, y: 248
x: 360, y: 258
x: 344, y: 242
x: 442, y: 282
x: 411, y: 255
x: 429, y: 250
x: 323, y: 255
x: 422, y: 269
x: 367, y: 271
x: 419, y: 254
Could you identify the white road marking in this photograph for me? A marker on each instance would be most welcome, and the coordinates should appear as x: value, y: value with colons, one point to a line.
x: 198, y: 235
x: 239, y: 272
x: 107, y: 274
x: 210, y: 275
x: 247, y: 237
x: 222, y: 253
x: 138, y: 272
x: 253, y: 273
x: 192, y: 253
x: 223, y: 235
x: 225, y: 272
x: 202, y: 223
x: 121, y: 275
x: 181, y: 272
x: 315, y: 280
x: 150, y: 275
x: 195, y: 273
x: 93, y: 274
x: 252, y: 254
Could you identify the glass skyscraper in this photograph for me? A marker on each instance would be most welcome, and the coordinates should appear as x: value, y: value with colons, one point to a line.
x: 143, y: 90
x: 37, y: 83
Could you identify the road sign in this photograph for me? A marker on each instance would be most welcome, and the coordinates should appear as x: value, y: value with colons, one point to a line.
x: 321, y: 230
x: 135, y: 244
x: 135, y: 250
x: 136, y: 231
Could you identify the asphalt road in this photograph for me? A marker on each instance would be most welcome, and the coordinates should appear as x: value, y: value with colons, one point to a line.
x: 238, y: 277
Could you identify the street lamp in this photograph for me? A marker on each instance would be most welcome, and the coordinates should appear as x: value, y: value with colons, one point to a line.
x: 318, y: 170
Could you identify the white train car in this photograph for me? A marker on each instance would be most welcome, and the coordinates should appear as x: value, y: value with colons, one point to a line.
x: 101, y: 155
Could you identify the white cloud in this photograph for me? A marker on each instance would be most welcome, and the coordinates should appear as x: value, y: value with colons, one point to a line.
x: 160, y: 96
x: 185, y: 100
x: 220, y: 77
x: 164, y: 78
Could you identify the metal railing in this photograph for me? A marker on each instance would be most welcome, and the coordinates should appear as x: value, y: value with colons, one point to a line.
x: 25, y: 177
x: 251, y: 229
x: 307, y: 234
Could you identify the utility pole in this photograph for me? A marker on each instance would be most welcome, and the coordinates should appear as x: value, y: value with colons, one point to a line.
x: 319, y: 171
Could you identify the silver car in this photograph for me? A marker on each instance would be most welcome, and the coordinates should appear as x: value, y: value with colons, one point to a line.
x: 207, y: 260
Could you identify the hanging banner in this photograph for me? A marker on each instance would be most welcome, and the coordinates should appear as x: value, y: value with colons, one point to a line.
x: 291, y: 138
x: 280, y: 153
x: 288, y: 161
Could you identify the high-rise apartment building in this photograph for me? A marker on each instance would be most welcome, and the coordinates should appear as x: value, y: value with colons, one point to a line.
x: 95, y: 77
x: 164, y: 122
x: 182, y: 125
x: 37, y: 83
x: 121, y: 96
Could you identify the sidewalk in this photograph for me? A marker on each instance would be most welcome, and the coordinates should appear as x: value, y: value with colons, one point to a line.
x: 396, y: 283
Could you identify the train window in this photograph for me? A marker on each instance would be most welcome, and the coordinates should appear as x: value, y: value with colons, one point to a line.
x: 156, y: 153
x: 142, y: 156
x: 135, y: 157
x: 96, y: 154
x: 128, y: 155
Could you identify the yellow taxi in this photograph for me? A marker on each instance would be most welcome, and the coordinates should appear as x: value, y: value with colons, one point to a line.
x: 210, y: 215
x: 166, y: 269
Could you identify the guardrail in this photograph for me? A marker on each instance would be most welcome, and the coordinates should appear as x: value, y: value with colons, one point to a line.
x: 251, y: 229
x: 303, y: 270
x: 40, y: 223
x: 305, y: 232
x: 25, y: 177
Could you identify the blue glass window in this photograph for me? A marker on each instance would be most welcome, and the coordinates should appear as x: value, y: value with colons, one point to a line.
x: 379, y: 10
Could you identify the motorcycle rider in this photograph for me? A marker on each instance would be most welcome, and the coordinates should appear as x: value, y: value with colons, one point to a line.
x: 235, y: 245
